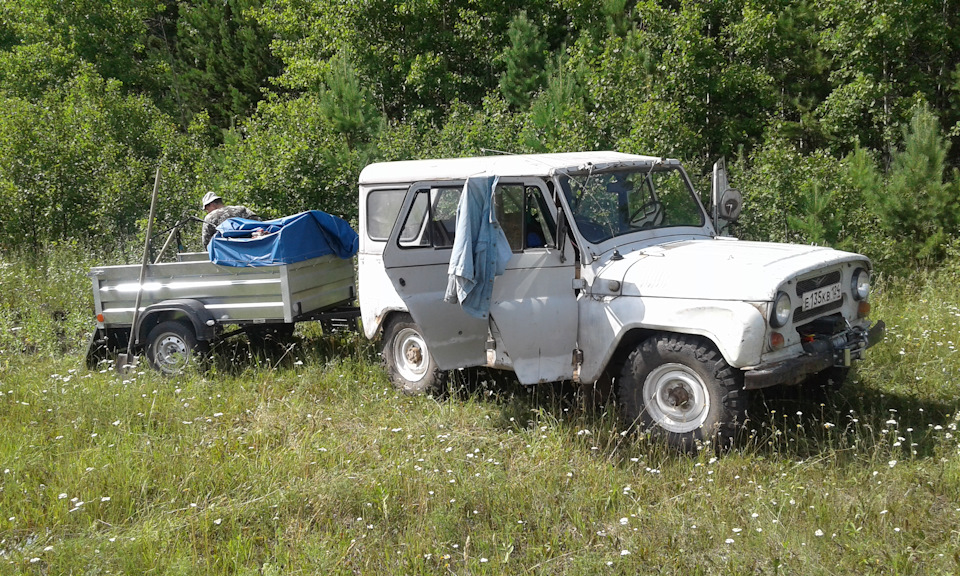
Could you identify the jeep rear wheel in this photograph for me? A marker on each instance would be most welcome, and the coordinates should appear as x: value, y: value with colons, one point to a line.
x: 680, y: 388
x: 409, y: 363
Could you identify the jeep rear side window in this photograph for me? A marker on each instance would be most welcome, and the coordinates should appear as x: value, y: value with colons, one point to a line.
x: 432, y: 219
x: 383, y: 207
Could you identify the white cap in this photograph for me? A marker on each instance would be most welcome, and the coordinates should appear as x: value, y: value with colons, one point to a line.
x: 208, y: 198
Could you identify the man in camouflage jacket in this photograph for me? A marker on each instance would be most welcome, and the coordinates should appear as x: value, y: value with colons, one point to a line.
x: 217, y: 213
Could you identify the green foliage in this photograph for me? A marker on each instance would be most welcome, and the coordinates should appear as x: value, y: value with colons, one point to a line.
x: 798, y: 94
x: 781, y: 186
x: 466, y: 131
x: 419, y: 55
x: 77, y: 163
x: 110, y: 35
x: 916, y: 208
x: 45, y: 301
x: 525, y: 60
x: 884, y: 53
x: 348, y: 106
x: 559, y: 119
x: 289, y: 157
x: 223, y: 59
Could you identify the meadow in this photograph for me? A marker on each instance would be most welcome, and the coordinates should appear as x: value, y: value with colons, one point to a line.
x: 306, y: 461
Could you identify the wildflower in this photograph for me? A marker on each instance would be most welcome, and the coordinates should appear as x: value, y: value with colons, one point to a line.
x: 624, y: 552
x: 818, y: 533
x: 624, y: 521
x: 729, y: 541
x: 218, y: 521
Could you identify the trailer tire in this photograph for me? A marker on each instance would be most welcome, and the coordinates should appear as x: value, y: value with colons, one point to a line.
x: 679, y: 388
x: 171, y: 346
x: 408, y: 361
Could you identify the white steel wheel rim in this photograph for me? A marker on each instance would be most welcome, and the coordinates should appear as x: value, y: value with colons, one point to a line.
x: 675, y: 398
x: 171, y: 352
x: 410, y: 355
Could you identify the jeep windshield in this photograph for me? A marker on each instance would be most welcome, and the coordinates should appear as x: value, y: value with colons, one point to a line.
x: 614, y: 203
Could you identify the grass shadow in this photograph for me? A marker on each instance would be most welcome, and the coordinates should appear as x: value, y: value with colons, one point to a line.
x: 794, y: 423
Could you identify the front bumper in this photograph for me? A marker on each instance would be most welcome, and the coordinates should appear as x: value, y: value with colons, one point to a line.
x: 839, y: 350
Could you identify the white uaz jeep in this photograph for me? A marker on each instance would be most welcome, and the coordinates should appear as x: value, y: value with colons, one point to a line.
x: 616, y: 270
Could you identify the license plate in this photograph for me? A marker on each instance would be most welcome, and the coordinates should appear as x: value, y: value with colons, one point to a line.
x: 821, y: 296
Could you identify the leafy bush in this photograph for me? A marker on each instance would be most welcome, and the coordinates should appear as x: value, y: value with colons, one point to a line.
x: 78, y: 163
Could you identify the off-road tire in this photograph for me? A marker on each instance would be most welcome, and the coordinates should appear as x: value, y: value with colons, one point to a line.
x: 408, y: 361
x: 679, y: 388
x: 171, y: 346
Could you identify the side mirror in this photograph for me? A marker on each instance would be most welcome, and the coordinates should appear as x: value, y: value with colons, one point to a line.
x: 730, y: 204
x: 727, y: 202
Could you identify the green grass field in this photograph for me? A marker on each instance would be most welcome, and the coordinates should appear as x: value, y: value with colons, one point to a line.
x: 310, y: 463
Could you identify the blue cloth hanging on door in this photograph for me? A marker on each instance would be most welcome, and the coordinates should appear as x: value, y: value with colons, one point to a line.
x: 480, y: 248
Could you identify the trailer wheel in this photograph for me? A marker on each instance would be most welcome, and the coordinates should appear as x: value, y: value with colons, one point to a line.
x: 681, y: 389
x: 409, y: 363
x: 170, y: 346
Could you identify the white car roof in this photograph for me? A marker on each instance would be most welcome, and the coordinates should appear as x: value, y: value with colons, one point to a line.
x: 538, y: 165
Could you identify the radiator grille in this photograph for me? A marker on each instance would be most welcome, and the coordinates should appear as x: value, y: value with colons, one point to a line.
x: 799, y: 314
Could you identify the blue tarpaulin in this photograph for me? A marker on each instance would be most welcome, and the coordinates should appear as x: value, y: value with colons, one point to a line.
x: 287, y: 240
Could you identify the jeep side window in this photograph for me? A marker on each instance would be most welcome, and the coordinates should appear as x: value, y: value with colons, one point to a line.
x: 539, y: 225
x: 523, y: 216
x: 383, y: 207
x: 432, y: 219
x: 509, y: 204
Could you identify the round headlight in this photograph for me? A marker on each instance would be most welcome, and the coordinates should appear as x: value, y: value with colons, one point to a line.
x: 781, y: 310
x: 860, y: 285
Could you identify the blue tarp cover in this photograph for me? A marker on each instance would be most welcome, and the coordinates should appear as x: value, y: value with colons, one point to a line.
x: 290, y: 239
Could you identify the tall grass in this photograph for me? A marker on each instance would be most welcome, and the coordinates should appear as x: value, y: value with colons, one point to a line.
x: 306, y: 461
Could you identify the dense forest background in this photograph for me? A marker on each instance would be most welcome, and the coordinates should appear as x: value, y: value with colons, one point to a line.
x: 837, y: 117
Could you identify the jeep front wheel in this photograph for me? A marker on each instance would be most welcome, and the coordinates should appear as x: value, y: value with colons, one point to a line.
x: 680, y: 388
x: 407, y: 358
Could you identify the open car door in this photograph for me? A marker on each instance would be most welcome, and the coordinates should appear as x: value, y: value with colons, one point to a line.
x: 533, y: 310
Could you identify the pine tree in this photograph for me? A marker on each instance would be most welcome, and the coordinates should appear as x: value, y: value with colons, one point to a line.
x: 917, y: 207
x: 223, y: 58
x: 525, y: 60
x: 348, y: 106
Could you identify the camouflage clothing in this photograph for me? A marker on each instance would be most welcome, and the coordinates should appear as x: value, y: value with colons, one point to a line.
x: 213, y: 219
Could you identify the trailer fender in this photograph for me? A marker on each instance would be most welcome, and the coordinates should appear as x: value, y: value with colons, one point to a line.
x: 191, y: 311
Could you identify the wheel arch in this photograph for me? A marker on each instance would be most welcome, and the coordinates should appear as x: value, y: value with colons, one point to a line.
x: 630, y: 339
x: 192, y: 313
x: 736, y: 329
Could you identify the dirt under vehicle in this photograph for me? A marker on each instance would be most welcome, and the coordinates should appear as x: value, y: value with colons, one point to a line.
x: 616, y: 270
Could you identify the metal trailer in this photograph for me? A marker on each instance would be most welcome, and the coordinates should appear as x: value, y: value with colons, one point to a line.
x: 186, y: 305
